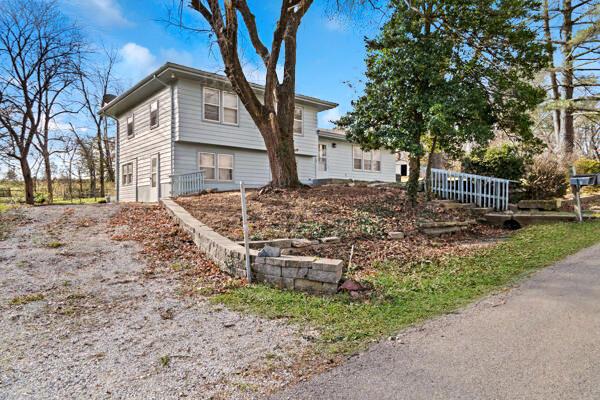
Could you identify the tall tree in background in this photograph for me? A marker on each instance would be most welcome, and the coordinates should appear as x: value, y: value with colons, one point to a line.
x: 36, y: 42
x: 94, y: 85
x: 273, y: 114
x: 451, y: 71
x: 572, y: 40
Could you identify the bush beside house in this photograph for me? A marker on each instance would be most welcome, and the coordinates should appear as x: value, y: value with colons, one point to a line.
x: 504, y: 161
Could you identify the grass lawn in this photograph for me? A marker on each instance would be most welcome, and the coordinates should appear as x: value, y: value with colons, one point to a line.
x: 404, y: 294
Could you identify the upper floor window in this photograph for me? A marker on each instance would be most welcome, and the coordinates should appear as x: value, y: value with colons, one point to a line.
x: 154, y: 114
x: 230, y: 108
x: 368, y: 160
x: 130, y: 126
x: 298, y: 118
x: 212, y: 104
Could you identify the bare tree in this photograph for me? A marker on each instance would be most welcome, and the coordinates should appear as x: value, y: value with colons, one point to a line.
x: 572, y: 39
x: 94, y: 84
x: 35, y: 39
x: 86, y: 147
x: 274, y: 113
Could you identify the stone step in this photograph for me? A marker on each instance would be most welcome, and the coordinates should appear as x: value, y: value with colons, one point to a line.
x: 435, y: 232
x: 480, y: 211
x: 444, y: 224
x: 454, y: 205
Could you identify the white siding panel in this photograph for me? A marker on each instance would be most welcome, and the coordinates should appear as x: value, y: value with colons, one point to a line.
x: 339, y: 164
x: 249, y: 166
x: 145, y: 144
x: 192, y: 128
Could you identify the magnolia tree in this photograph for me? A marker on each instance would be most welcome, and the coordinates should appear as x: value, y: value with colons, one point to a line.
x: 448, y: 72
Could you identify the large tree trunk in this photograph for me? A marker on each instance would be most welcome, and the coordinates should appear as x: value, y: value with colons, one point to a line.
x: 48, y: 173
x: 553, y: 78
x: 282, y: 157
x: 100, y: 161
x: 566, y: 116
x: 27, y: 179
x: 428, y: 192
x: 110, y: 171
x: 412, y: 187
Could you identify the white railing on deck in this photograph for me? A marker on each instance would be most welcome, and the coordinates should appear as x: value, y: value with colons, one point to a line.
x: 484, y: 191
x: 187, y: 183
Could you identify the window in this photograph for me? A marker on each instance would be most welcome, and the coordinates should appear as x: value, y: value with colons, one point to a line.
x: 206, y: 163
x: 212, y: 104
x: 153, y: 171
x: 130, y: 126
x: 357, y: 157
x: 127, y: 174
x: 298, y: 120
x: 154, y: 114
x: 322, y: 157
x: 230, y: 108
x: 225, y: 167
x: 366, y: 160
x: 376, y: 160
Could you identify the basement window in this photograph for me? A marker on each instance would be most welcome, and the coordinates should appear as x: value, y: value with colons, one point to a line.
x: 207, y: 163
x: 127, y: 174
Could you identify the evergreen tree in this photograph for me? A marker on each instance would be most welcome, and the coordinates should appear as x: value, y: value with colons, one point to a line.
x: 451, y: 72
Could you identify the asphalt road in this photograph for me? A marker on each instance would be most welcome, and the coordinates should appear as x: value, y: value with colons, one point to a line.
x: 540, y: 340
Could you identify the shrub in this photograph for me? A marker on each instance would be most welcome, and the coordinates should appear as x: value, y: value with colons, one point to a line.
x: 545, y: 179
x: 587, y: 166
x: 39, y: 198
x: 503, y: 161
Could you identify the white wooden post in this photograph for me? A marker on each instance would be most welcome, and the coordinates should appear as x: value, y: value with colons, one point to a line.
x: 245, y: 229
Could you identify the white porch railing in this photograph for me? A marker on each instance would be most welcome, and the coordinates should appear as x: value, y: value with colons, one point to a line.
x: 484, y: 191
x: 183, y: 184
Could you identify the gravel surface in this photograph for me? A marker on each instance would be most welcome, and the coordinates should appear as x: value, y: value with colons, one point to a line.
x: 80, y: 320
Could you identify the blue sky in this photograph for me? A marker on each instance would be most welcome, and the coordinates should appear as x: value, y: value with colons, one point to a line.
x: 330, y: 48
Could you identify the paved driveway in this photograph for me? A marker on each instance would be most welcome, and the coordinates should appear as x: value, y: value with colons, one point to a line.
x: 538, y: 341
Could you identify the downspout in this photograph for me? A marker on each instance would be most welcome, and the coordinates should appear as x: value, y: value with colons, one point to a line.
x: 172, y: 142
x: 117, y: 165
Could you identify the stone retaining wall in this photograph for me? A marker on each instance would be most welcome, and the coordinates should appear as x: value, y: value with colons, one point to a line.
x: 311, y: 274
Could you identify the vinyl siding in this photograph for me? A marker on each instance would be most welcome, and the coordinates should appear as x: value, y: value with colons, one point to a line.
x: 192, y: 128
x: 339, y: 164
x: 145, y: 144
x: 249, y: 166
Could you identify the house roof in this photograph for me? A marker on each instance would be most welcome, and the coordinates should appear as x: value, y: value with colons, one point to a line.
x: 171, y: 71
x: 337, y: 134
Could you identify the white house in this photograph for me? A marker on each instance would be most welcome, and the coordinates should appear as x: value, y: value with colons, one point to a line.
x: 181, y: 120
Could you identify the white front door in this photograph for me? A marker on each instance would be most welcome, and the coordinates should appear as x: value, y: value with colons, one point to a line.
x: 154, y: 179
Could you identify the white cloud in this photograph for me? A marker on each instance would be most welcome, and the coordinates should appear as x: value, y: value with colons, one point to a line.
x: 326, y: 117
x: 136, y: 62
x: 101, y: 12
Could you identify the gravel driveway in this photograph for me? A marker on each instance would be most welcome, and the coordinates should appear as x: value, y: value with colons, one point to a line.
x: 80, y: 320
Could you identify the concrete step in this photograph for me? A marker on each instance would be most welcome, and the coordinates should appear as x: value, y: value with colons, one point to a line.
x: 436, y: 232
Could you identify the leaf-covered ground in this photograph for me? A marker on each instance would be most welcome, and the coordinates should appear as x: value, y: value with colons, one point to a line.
x: 360, y: 215
x: 166, y: 246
